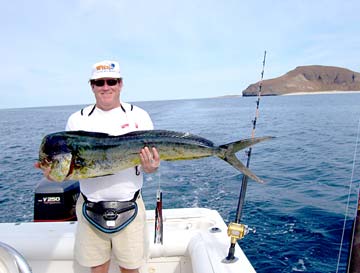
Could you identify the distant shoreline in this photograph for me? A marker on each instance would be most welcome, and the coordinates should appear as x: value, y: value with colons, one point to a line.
x: 319, y: 92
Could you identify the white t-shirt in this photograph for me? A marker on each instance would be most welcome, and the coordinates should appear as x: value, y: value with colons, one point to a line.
x: 127, y: 118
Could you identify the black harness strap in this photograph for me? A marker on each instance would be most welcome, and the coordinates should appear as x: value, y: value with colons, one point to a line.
x: 90, y: 113
x: 123, y: 108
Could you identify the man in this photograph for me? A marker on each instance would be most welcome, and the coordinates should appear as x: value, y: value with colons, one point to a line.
x: 129, y: 246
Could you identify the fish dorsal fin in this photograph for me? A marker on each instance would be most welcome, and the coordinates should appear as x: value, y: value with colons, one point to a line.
x: 87, y: 134
x: 170, y: 134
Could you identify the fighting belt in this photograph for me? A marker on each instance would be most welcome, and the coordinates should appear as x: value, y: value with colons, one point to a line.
x: 110, y: 216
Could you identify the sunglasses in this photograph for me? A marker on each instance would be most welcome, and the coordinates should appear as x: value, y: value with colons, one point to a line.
x: 100, y: 83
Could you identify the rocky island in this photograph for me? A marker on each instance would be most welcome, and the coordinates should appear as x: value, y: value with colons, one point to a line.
x: 308, y: 79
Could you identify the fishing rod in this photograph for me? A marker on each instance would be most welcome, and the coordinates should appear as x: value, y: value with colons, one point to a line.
x: 236, y: 230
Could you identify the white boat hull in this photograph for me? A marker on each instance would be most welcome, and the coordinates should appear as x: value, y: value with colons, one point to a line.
x: 189, y: 245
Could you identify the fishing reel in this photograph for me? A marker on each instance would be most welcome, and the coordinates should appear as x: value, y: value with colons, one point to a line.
x: 237, y: 231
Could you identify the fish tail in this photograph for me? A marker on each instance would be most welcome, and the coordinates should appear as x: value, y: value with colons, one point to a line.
x: 227, y: 153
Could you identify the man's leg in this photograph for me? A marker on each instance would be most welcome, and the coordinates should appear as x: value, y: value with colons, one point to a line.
x: 124, y: 270
x: 92, y: 247
x: 103, y: 268
x: 130, y: 246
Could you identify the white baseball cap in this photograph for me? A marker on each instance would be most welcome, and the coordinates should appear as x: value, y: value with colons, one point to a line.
x: 105, y: 69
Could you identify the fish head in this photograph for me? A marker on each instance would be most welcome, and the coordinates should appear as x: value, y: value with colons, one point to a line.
x: 55, y: 157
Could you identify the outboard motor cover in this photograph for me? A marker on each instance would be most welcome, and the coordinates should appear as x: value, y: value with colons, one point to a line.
x: 55, y: 201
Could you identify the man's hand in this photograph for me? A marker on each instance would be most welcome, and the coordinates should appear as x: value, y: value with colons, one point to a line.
x: 150, y: 159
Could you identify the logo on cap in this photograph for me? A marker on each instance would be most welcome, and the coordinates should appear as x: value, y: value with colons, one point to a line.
x: 105, y: 67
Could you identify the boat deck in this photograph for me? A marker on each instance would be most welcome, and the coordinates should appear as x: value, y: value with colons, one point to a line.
x: 195, y: 241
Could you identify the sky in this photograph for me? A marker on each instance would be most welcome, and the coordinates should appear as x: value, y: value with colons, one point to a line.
x: 167, y: 49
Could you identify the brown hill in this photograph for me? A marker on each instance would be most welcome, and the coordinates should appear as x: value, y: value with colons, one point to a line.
x: 307, y: 79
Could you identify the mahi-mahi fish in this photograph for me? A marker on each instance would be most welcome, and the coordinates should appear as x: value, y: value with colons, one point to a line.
x: 74, y: 155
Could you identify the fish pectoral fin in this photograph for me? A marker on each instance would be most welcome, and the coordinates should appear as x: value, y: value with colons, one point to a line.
x: 237, y: 164
x: 61, y: 167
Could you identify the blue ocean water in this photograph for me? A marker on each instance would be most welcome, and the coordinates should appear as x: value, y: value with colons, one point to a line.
x: 298, y: 213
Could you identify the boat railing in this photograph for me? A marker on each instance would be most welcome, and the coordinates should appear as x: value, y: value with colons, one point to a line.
x: 11, y: 260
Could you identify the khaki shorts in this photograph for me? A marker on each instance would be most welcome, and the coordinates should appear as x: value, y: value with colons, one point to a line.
x: 129, y: 246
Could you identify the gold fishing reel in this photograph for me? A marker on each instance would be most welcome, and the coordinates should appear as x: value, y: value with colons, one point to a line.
x: 237, y: 231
